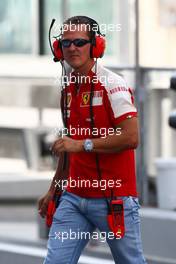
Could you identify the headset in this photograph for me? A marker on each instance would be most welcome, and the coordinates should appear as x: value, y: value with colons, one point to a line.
x: 97, y: 39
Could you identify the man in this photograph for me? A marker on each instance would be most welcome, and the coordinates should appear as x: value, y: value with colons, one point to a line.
x: 101, y: 165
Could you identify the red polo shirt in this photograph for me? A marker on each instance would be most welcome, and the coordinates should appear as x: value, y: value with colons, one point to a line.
x: 112, y: 103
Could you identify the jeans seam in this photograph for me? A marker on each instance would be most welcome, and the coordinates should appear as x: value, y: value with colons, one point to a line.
x: 137, y: 235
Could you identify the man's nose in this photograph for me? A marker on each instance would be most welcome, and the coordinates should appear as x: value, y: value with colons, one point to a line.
x: 72, y: 47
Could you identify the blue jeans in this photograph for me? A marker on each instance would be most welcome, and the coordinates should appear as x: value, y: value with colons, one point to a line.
x: 77, y: 218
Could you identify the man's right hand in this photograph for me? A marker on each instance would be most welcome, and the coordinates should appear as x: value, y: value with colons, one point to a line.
x: 61, y: 174
x: 43, y: 203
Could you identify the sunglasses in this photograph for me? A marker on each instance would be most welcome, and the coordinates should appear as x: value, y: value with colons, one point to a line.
x: 66, y: 43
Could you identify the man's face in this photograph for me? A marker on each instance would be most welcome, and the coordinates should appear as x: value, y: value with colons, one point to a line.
x: 76, y: 57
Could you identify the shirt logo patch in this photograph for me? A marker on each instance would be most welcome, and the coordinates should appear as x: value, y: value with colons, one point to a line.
x: 68, y: 113
x: 69, y: 97
x: 85, y: 99
x: 97, y: 98
x: 119, y: 89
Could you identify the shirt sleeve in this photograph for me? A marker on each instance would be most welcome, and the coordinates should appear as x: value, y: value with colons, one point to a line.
x: 121, y: 102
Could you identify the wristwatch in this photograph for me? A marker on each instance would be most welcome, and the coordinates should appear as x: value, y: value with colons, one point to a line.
x: 88, y: 145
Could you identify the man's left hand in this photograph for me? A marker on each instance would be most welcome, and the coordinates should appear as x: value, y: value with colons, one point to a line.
x: 66, y: 144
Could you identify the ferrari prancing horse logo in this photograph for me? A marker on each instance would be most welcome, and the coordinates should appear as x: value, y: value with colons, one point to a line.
x: 85, y: 98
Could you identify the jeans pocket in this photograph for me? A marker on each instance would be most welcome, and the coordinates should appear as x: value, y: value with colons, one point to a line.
x: 135, y: 202
x: 135, y: 209
x: 60, y: 209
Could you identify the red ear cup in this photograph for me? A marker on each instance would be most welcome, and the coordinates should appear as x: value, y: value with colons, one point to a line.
x: 97, y: 50
x: 57, y: 48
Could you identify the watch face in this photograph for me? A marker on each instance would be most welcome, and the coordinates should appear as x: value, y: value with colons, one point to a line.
x: 88, y: 145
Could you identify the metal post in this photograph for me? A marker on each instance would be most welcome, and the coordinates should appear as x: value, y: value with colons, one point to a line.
x: 65, y: 9
x: 142, y: 180
x: 35, y: 27
x: 41, y: 17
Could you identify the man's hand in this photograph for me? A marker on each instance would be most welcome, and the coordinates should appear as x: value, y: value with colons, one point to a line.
x: 66, y: 144
x: 43, y: 203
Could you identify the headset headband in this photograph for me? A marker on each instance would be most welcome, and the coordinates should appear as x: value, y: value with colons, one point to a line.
x: 97, y: 42
x: 85, y: 20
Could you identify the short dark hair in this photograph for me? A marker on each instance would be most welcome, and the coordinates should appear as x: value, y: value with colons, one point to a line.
x: 78, y: 20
